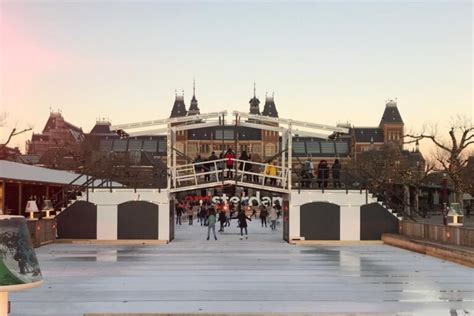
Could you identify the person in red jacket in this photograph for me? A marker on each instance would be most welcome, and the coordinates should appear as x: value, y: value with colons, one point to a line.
x: 229, y: 162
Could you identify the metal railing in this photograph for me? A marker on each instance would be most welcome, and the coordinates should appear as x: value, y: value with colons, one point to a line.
x: 240, y: 172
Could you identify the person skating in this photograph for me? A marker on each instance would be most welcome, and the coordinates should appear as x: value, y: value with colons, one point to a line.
x: 243, y: 224
x: 222, y: 220
x: 254, y: 209
x: 273, y: 217
x: 278, y: 208
x: 203, y: 211
x: 190, y: 214
x: 211, y: 222
x: 197, y: 210
x: 263, y: 215
x: 179, y: 213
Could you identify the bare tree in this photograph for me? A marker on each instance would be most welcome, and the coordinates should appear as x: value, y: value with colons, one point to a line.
x: 14, y: 132
x: 394, y: 175
x: 451, y: 153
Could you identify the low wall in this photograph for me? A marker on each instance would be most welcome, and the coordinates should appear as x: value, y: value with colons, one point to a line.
x: 446, y: 252
x: 42, y: 231
x: 446, y: 234
x: 338, y: 215
x: 120, y: 214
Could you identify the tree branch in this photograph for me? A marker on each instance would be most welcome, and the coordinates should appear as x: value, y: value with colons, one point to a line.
x: 422, y: 136
x: 12, y: 134
x: 454, y: 141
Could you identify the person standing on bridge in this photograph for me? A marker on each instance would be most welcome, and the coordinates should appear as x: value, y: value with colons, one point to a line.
x: 243, y: 165
x: 221, y: 166
x: 307, y: 174
x: 243, y: 224
x: 256, y: 167
x: 272, y: 172
x: 229, y: 162
x: 336, y: 173
x: 323, y: 174
x: 212, y: 166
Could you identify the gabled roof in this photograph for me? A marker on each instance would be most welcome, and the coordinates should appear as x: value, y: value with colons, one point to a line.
x: 254, y: 106
x: 51, y: 124
x: 21, y: 172
x: 179, y: 108
x: 73, y: 127
x: 391, y: 115
x: 102, y: 128
x: 269, y: 108
x: 194, y: 108
x: 368, y: 134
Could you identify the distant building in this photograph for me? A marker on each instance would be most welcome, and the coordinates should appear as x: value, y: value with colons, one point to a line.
x: 57, y: 133
x: 9, y: 153
x: 390, y: 131
x: 151, y: 149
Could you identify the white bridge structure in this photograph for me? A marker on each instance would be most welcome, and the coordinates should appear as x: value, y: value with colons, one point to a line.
x: 199, y: 175
x: 148, y: 214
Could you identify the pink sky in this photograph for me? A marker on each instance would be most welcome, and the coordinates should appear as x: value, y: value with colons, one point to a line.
x: 124, y: 60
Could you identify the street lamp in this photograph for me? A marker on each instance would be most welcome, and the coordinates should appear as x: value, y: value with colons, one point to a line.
x: 445, y: 199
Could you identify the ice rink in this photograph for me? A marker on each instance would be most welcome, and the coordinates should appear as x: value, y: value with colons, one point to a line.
x: 261, y: 274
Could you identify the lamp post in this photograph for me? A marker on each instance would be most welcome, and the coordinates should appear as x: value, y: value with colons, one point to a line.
x: 418, y: 179
x: 445, y: 199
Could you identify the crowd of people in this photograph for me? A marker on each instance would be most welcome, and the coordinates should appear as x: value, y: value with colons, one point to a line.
x: 226, y: 165
x: 206, y: 213
x: 254, y: 168
x: 321, y: 173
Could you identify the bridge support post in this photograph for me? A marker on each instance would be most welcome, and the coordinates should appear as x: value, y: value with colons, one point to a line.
x: 169, y: 148
x: 290, y: 156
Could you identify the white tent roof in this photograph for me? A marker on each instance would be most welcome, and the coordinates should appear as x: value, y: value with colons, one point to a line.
x: 17, y: 171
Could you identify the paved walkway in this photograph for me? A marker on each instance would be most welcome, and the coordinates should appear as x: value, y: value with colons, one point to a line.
x: 261, y: 274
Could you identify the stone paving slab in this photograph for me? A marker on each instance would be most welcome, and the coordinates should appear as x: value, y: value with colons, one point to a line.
x: 260, y: 275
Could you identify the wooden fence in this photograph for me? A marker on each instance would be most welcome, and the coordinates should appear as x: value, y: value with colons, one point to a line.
x: 447, y: 234
x: 42, y: 231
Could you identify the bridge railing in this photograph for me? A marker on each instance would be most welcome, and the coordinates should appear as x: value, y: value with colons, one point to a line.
x: 243, y: 172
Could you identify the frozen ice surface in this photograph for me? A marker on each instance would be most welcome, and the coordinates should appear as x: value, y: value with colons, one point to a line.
x: 261, y: 274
